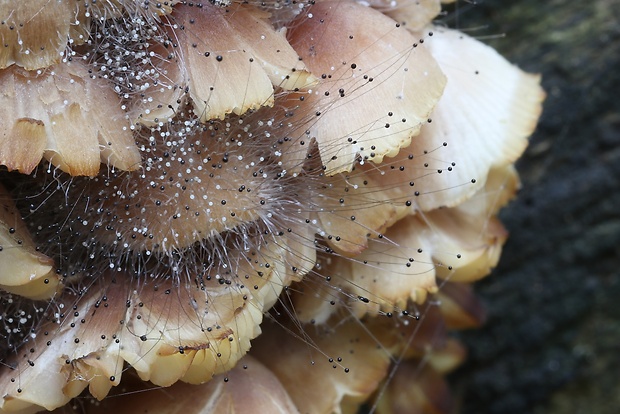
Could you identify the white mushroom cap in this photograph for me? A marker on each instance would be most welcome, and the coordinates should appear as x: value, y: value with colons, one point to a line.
x: 415, y: 14
x: 167, y: 330
x: 485, y: 115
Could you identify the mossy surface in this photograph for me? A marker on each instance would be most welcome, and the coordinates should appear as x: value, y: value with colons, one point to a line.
x: 553, y: 333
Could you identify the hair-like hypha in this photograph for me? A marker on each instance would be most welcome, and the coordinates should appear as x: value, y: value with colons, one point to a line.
x: 283, y: 201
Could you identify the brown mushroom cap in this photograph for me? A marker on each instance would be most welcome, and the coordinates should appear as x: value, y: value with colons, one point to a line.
x: 35, y: 33
x: 459, y: 306
x: 233, y: 58
x: 249, y: 387
x: 415, y: 389
x: 380, y: 87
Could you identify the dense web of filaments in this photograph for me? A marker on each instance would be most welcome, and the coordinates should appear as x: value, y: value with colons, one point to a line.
x: 79, y: 221
x: 123, y: 51
x: 19, y: 320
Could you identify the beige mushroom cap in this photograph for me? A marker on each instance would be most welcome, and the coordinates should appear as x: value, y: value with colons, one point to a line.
x: 67, y: 355
x: 325, y: 366
x: 460, y: 244
x: 189, y: 190
x: 380, y: 88
x: 249, y: 387
x: 23, y: 270
x: 66, y: 115
x: 340, y: 363
x: 166, y: 329
x: 414, y: 14
x: 232, y: 59
x: 35, y: 33
x: 107, y: 9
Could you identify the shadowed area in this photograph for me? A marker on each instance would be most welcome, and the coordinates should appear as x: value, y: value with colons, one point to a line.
x: 550, y: 342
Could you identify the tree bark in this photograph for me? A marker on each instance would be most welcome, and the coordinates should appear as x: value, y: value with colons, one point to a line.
x: 551, y: 341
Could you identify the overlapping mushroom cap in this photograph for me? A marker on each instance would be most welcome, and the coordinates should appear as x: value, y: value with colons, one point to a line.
x: 205, y: 162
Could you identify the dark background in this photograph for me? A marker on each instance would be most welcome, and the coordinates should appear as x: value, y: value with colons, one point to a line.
x: 552, y: 340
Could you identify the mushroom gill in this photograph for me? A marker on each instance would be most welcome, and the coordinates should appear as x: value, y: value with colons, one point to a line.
x: 272, y: 206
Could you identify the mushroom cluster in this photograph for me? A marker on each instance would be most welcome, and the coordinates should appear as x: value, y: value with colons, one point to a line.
x: 282, y: 201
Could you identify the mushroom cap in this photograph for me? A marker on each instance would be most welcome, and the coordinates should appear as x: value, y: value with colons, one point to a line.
x: 166, y: 328
x: 331, y: 364
x: 23, y: 269
x: 71, y: 118
x: 402, y: 264
x: 380, y: 88
x: 414, y: 14
x: 232, y: 58
x: 190, y: 190
x: 487, y: 111
x: 248, y: 387
x: 35, y: 32
x: 109, y: 9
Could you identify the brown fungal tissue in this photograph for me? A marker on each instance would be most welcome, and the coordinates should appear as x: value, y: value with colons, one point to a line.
x: 226, y: 206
